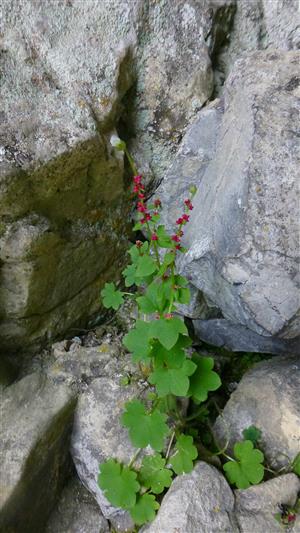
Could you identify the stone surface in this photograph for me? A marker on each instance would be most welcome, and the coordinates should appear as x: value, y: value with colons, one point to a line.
x: 71, y: 73
x: 175, y: 75
x: 196, y: 150
x: 268, y: 398
x: 199, y: 502
x: 98, y: 435
x: 76, y: 512
x: 237, y: 338
x: 36, y: 420
x: 242, y: 238
x: 78, y: 365
x: 255, y: 507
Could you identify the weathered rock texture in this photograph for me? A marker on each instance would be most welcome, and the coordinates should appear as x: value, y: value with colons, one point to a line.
x: 36, y: 421
x: 243, y: 237
x: 99, y: 435
x: 199, y: 502
x: 68, y: 79
x: 256, y: 507
x: 77, y: 512
x: 268, y: 398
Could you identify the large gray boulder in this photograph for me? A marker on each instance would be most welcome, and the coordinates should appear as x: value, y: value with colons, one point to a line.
x: 71, y: 72
x: 256, y: 507
x: 268, y: 398
x: 199, y: 502
x: 36, y: 422
x: 98, y: 435
x: 76, y: 512
x: 242, y: 238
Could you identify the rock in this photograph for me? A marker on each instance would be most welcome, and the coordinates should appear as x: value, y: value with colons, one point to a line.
x: 174, y: 76
x: 62, y: 223
x: 256, y: 507
x: 196, y: 150
x: 237, y: 338
x: 76, y: 512
x: 98, y: 435
x: 199, y: 502
x: 268, y: 398
x: 78, y: 365
x: 243, y: 233
x: 36, y: 420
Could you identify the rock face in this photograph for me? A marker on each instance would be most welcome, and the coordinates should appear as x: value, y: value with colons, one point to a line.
x: 199, y: 502
x: 243, y: 233
x: 98, y: 435
x: 36, y: 419
x: 268, y: 398
x: 76, y: 512
x: 68, y: 79
x: 256, y: 507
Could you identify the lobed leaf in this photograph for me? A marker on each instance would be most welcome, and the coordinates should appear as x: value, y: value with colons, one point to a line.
x: 111, y: 297
x: 153, y: 474
x: 145, y: 428
x: 204, y: 378
x: 186, y: 452
x: 144, y: 509
x: 167, y: 331
x: 247, y: 469
x: 118, y: 483
x: 172, y: 380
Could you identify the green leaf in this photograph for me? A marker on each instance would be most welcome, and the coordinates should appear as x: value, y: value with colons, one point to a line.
x: 296, y: 465
x: 145, y: 428
x: 247, y: 469
x: 153, y: 474
x: 137, y: 340
x: 204, y: 379
x: 252, y: 433
x: 145, y: 305
x: 172, y: 380
x: 164, y: 240
x: 144, y: 509
x: 145, y: 266
x: 118, y: 483
x: 137, y: 226
x: 129, y: 275
x: 134, y: 253
x: 111, y: 297
x: 186, y: 452
x: 183, y: 296
x: 173, y: 358
x: 167, y: 331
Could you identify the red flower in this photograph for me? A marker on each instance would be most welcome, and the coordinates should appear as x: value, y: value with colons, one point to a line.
x: 148, y: 216
x: 137, y: 179
x: 178, y: 247
x: 141, y: 207
x: 185, y: 217
x: 136, y: 188
x: 157, y: 202
x: 141, y: 195
x: 179, y: 221
x: 154, y: 237
x: 291, y: 517
x: 189, y: 205
x: 175, y: 238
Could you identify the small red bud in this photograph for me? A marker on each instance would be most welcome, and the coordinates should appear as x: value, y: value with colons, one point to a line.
x: 175, y: 238
x: 157, y: 202
x: 179, y: 221
x: 137, y: 179
x: 154, y: 237
x: 138, y: 244
x: 185, y: 217
x: 168, y: 315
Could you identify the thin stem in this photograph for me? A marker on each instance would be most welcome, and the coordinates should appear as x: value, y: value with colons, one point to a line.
x: 135, y: 456
x: 170, y: 445
x: 153, y: 243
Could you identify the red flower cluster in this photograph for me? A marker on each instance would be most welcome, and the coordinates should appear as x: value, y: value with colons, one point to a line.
x: 189, y: 204
x: 141, y: 206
